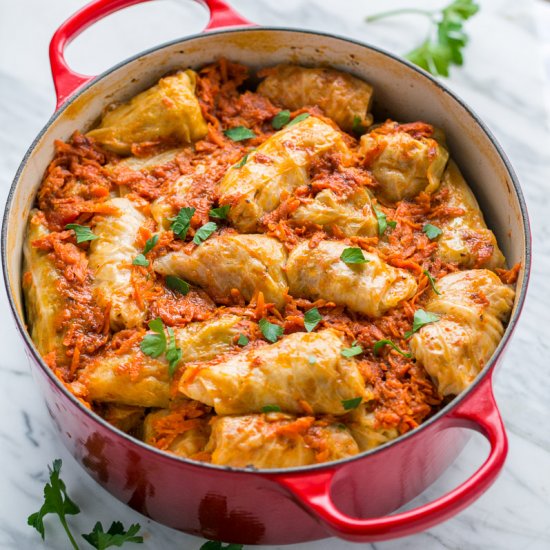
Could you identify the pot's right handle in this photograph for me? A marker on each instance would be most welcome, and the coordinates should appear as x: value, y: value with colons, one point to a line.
x: 66, y: 81
x: 478, y: 412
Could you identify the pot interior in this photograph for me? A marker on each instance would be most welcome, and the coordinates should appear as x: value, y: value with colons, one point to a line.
x: 401, y: 91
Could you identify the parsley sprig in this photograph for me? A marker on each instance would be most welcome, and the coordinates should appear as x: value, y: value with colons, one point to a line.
x: 156, y: 344
x: 446, y: 38
x: 58, y: 502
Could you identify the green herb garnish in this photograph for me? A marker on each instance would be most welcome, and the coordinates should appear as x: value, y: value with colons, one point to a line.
x: 271, y: 408
x: 281, y: 119
x: 239, y: 133
x: 220, y: 213
x: 204, y: 232
x: 150, y: 244
x: 446, y: 38
x: 177, y: 284
x: 82, y: 232
x: 56, y: 501
x: 357, y: 126
x: 383, y: 222
x: 432, y: 282
x: 270, y: 331
x: 420, y: 319
x: 431, y: 231
x: 243, y: 340
x: 115, y: 536
x: 350, y: 404
x: 354, y: 350
x: 353, y: 255
x: 173, y: 353
x: 297, y: 119
x: 381, y: 343
x: 242, y: 162
x: 312, y: 318
x: 180, y: 224
x: 154, y: 345
x: 140, y: 260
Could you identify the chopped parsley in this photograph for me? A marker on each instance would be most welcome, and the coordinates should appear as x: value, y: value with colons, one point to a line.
x: 350, y: 404
x: 383, y: 222
x: 270, y: 331
x: 271, y: 408
x: 177, y: 284
x: 381, y: 343
x: 297, y: 119
x: 82, y: 232
x: 140, y: 260
x: 282, y: 118
x: 115, y: 536
x: 239, y: 133
x: 243, y: 340
x: 432, y: 282
x: 242, y: 162
x: 204, y: 232
x: 421, y: 318
x: 180, y: 224
x: 354, y: 350
x: 156, y: 344
x: 220, y: 213
x: 173, y: 353
x: 150, y: 244
x: 353, y: 255
x: 312, y: 318
x: 431, y: 231
x: 357, y: 126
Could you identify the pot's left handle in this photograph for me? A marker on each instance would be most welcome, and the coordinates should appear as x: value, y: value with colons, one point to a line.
x: 67, y: 81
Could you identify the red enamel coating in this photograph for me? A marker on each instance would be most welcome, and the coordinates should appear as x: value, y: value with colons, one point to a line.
x: 66, y: 81
x: 480, y: 413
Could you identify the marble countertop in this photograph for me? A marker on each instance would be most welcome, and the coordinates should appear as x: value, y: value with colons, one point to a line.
x: 503, y: 80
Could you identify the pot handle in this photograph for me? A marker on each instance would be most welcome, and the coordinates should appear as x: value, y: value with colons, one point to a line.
x: 478, y: 412
x: 66, y: 81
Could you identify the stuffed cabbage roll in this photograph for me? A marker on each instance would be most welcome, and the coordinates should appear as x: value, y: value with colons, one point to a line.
x: 168, y: 110
x: 367, y: 432
x: 353, y: 215
x: 44, y: 303
x: 404, y: 161
x: 146, y: 163
x: 277, y: 441
x: 110, y: 260
x: 133, y: 378
x: 249, y: 263
x: 369, y: 288
x: 473, y: 305
x: 465, y: 238
x: 276, y: 167
x: 167, y: 430
x: 342, y: 97
x: 302, y: 372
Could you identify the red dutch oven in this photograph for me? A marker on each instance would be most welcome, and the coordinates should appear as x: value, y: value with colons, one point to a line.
x: 351, y: 498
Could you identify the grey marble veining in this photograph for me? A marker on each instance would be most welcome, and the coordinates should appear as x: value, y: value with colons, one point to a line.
x: 502, y: 80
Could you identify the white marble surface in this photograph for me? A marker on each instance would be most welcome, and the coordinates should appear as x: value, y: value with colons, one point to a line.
x: 502, y: 80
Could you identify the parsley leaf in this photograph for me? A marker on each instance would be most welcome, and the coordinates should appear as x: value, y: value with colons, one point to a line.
x: 180, y: 224
x: 56, y: 501
x: 383, y: 222
x: 217, y: 545
x: 354, y: 350
x: 150, y: 244
x: 82, y: 232
x: 297, y: 119
x: 141, y: 260
x: 204, y: 232
x: 173, y: 353
x: 357, y: 126
x: 312, y: 318
x: 177, y: 284
x: 432, y: 282
x: 350, y: 404
x: 446, y: 38
x: 381, y: 343
x: 353, y: 255
x: 154, y: 345
x: 115, y: 536
x: 242, y: 162
x: 239, y: 133
x: 420, y: 319
x: 281, y: 119
x: 431, y: 231
x: 243, y: 340
x: 220, y: 213
x: 271, y: 408
x: 270, y: 331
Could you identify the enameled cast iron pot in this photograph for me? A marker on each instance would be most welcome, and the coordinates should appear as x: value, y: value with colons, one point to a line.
x: 307, y: 503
